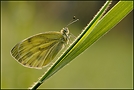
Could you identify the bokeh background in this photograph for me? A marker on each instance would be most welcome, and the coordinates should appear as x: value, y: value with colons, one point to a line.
x: 106, y: 64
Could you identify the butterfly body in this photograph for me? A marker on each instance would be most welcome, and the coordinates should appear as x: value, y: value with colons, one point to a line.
x: 39, y: 50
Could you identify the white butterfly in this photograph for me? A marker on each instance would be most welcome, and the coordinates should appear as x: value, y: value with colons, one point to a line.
x: 38, y: 50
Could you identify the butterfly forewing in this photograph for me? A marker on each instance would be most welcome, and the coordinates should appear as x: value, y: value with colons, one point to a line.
x: 37, y: 51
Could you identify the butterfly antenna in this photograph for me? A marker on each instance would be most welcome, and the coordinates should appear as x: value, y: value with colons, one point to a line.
x: 74, y: 20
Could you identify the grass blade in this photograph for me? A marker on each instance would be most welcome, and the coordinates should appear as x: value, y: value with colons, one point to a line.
x: 99, y: 26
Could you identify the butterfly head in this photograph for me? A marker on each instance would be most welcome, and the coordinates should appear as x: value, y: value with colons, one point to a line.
x: 65, y: 31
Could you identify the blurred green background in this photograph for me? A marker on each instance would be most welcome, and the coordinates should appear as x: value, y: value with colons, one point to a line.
x: 106, y: 64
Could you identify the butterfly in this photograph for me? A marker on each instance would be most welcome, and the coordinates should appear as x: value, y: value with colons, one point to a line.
x: 39, y: 50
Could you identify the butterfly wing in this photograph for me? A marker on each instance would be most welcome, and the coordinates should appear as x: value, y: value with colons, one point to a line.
x: 37, y: 51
